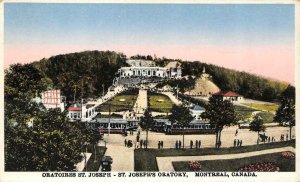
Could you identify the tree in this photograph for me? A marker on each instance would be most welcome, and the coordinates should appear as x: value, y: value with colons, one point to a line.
x: 37, y: 139
x: 181, y: 116
x: 286, y: 112
x: 146, y: 123
x: 220, y: 113
x: 257, y: 125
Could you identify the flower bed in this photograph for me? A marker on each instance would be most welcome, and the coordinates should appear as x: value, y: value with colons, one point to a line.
x: 195, y: 165
x: 260, y: 167
x: 288, y: 155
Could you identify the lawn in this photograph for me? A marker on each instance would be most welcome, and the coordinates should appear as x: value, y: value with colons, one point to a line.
x: 119, y: 103
x: 267, y: 117
x: 145, y: 160
x: 92, y: 164
x: 232, y: 165
x: 159, y: 103
x: 265, y: 107
x: 243, y: 113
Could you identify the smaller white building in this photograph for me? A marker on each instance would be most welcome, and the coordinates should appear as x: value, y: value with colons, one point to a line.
x: 228, y: 95
x: 82, y: 112
x: 75, y: 112
x: 196, y: 112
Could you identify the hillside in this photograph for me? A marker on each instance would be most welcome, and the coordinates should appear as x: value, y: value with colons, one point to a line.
x: 84, y: 74
x: 88, y: 72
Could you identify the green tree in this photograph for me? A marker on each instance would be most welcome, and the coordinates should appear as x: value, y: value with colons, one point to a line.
x: 220, y: 113
x: 181, y: 116
x: 257, y: 125
x: 147, y: 122
x: 37, y: 139
x: 286, y: 112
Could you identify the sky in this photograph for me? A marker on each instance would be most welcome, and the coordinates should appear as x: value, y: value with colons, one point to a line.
x: 254, y: 38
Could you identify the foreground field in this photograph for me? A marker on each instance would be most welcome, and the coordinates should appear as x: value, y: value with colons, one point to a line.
x: 284, y: 164
x: 145, y: 160
x: 159, y: 103
x: 118, y: 103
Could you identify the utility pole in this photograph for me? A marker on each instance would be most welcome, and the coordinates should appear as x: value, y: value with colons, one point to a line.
x: 109, y: 119
x: 75, y: 92
x: 102, y: 90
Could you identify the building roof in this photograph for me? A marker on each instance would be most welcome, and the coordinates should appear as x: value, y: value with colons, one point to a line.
x: 198, y: 108
x: 226, y: 94
x: 74, y: 109
x: 111, y: 120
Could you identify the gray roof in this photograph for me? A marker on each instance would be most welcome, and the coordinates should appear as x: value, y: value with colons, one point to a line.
x: 112, y: 120
x: 198, y: 108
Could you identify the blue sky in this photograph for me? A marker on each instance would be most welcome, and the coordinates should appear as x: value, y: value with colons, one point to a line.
x: 228, y: 24
x: 185, y: 31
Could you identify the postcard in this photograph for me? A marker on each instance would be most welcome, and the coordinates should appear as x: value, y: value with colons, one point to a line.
x: 185, y: 91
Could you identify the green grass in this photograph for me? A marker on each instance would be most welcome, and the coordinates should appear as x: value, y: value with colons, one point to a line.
x: 155, y: 105
x: 93, y: 165
x: 145, y: 160
x: 267, y: 117
x: 265, y: 107
x: 243, y: 112
x: 244, y: 115
x: 116, y: 105
x: 235, y: 164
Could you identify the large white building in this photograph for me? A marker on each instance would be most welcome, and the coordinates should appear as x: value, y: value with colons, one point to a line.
x: 150, y: 71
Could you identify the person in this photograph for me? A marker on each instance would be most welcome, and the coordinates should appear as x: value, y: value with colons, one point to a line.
x: 287, y: 136
x: 176, y: 144
x: 191, y: 144
x: 241, y: 143
x: 269, y: 139
x: 234, y: 143
x: 179, y: 144
x: 236, y: 132
x: 125, y: 142
x: 162, y: 144
x: 138, y: 138
x: 197, y: 144
x: 141, y: 143
x: 159, y: 145
x: 238, y: 143
x: 145, y: 144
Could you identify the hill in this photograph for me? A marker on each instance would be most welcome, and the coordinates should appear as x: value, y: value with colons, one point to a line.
x: 86, y: 74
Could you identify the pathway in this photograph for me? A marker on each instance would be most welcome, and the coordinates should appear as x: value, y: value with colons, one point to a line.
x: 123, y: 157
x: 165, y: 163
x: 172, y: 97
x: 141, y: 103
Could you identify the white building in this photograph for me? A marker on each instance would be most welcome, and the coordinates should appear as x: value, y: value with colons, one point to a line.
x: 196, y: 112
x: 82, y: 112
x: 228, y: 95
x: 149, y: 72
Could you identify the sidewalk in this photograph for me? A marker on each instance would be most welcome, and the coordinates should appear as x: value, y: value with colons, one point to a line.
x: 123, y: 157
x: 141, y: 103
x: 165, y: 163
